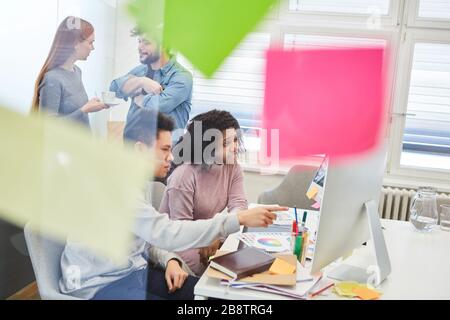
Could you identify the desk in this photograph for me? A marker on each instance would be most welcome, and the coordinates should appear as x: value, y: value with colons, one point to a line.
x: 420, y: 267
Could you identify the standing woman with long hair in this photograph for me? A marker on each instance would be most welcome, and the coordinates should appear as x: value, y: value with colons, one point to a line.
x: 59, y: 90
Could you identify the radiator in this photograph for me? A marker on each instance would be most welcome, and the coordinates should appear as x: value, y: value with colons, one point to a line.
x: 395, y: 203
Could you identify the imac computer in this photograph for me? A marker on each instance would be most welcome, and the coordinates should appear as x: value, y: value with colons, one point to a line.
x: 349, y: 216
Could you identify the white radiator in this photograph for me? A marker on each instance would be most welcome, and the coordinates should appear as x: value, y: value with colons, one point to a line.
x: 395, y: 203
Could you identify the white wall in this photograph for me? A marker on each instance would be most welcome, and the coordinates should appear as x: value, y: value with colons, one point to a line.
x: 126, y: 53
x: 27, y: 28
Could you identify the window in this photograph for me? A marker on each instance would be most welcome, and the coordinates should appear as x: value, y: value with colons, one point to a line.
x: 436, y: 9
x: 426, y: 140
x: 316, y: 41
x: 417, y: 34
x: 429, y: 14
x: 238, y: 86
x: 420, y: 144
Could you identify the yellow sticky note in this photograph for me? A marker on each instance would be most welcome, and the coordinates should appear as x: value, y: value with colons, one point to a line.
x: 365, y: 293
x: 66, y: 183
x: 281, y: 266
x: 354, y: 289
x: 312, y: 193
x: 346, y: 288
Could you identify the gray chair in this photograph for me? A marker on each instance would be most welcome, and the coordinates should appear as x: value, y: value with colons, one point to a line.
x: 45, y: 253
x: 45, y: 256
x: 291, y: 192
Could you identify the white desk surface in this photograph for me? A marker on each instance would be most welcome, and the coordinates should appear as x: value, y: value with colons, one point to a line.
x: 420, y: 267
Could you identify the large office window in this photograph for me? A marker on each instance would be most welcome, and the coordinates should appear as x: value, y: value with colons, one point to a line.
x: 420, y: 127
x: 426, y: 140
x: 424, y: 129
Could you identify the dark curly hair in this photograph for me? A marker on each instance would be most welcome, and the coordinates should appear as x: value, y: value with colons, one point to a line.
x: 212, y: 120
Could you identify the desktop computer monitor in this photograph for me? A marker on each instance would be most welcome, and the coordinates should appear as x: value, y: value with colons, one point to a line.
x: 349, y: 215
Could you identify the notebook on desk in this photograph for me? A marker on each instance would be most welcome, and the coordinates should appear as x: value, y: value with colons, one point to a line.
x: 264, y: 277
x: 243, y: 263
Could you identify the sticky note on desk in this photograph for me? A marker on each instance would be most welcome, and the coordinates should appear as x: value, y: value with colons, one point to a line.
x: 316, y: 205
x: 346, y: 288
x: 324, y: 101
x: 56, y: 176
x: 365, y: 293
x: 281, y: 267
x: 312, y: 193
x: 353, y: 289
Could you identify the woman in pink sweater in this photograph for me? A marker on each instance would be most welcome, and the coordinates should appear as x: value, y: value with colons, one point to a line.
x: 208, y: 179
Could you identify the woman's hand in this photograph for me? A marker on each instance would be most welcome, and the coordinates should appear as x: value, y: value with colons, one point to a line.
x: 175, y: 275
x: 94, y: 105
x: 259, y: 216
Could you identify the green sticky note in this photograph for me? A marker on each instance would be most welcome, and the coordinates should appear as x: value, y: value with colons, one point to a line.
x: 204, y: 31
x: 207, y: 31
x: 149, y: 16
x: 66, y: 183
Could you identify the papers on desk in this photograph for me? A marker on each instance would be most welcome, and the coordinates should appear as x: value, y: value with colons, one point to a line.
x: 284, y: 218
x: 279, y: 290
x: 265, y: 277
x: 305, y: 284
x: 268, y: 241
x: 283, y: 224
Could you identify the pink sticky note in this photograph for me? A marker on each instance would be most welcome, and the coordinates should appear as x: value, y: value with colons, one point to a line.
x: 316, y: 205
x: 324, y: 101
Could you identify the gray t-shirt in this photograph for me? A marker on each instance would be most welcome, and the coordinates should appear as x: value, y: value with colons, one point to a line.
x: 62, y: 94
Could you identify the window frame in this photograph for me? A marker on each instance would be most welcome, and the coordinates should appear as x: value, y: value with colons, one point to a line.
x: 401, y: 29
x: 414, y: 20
x: 349, y: 20
x: 435, y: 176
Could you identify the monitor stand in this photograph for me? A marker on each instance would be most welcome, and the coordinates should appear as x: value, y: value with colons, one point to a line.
x: 371, y: 275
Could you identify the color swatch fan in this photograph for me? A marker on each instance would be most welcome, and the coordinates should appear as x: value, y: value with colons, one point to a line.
x: 268, y: 241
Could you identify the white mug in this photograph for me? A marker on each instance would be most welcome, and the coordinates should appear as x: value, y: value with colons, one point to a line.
x: 108, y: 97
